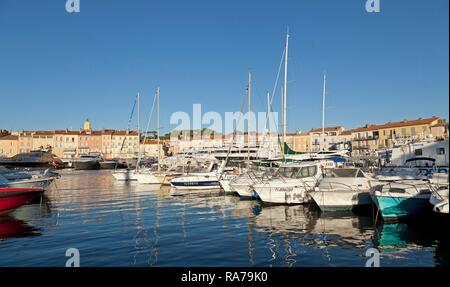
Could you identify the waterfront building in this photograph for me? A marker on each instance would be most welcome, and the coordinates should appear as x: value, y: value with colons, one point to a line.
x: 150, y: 148
x: 370, y: 138
x: 9, y: 145
x: 326, y: 138
x: 299, y: 141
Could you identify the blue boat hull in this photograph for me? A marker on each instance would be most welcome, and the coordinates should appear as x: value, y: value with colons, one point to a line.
x: 395, y: 208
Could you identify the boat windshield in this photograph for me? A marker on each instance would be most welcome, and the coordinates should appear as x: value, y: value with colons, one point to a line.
x: 345, y: 172
x: 288, y: 172
x: 307, y: 171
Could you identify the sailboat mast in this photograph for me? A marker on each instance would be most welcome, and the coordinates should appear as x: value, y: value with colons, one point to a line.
x: 139, y: 129
x: 284, y: 95
x: 249, y: 91
x: 323, y: 110
x: 157, y: 124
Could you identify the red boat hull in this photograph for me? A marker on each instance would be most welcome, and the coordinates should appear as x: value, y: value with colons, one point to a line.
x: 13, y: 198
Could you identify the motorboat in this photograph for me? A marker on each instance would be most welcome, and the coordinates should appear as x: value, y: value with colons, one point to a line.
x: 402, y: 199
x: 342, y: 189
x: 439, y: 196
x: 42, y: 182
x: 13, y: 198
x: 200, y: 180
x: 87, y: 162
x: 242, y: 184
x: 108, y: 164
x: 290, y: 184
x: 34, y: 158
x: 439, y: 200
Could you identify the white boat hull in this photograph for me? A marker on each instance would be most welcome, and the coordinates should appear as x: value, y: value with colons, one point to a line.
x: 340, y: 199
x: 225, y: 184
x: 124, y: 175
x: 279, y: 194
x: 148, y: 178
x: 439, y: 200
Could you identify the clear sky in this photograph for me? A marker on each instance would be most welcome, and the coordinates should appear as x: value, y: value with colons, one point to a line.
x: 56, y: 68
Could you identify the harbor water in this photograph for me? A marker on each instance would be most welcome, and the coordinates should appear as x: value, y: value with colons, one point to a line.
x: 125, y: 224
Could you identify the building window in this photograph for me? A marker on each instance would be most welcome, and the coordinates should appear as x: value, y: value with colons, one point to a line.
x: 404, y: 132
x: 413, y: 131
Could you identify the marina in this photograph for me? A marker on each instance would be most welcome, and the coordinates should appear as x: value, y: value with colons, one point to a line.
x: 150, y: 227
x: 231, y: 134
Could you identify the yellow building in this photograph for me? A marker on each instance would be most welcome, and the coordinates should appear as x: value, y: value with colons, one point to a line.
x: 43, y: 140
x: 374, y: 137
x: 299, y: 141
x: 9, y: 145
x: 151, y: 148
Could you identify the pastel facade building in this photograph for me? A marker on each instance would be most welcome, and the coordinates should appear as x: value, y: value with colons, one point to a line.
x: 9, y: 145
x: 370, y: 138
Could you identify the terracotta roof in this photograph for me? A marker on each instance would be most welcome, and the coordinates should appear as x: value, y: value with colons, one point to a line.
x: 327, y: 129
x: 346, y: 133
x: 66, y: 132
x: 125, y: 133
x: 403, y: 123
x: 45, y: 133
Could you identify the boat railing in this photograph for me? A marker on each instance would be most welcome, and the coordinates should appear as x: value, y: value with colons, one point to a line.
x: 407, y: 186
x: 331, y: 183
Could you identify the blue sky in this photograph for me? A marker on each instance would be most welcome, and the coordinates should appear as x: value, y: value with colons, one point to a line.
x: 56, y: 69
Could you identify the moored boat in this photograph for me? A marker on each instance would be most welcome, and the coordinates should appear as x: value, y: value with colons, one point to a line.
x: 290, y: 184
x: 13, y: 198
x: 402, y: 199
x: 87, y: 162
x: 108, y: 164
x: 42, y: 182
x: 439, y: 200
x: 343, y: 189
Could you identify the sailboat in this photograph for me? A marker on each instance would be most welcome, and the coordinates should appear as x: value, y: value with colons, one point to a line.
x: 130, y: 174
x: 149, y: 176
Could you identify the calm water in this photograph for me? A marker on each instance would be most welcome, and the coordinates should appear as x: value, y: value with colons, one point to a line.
x: 125, y: 224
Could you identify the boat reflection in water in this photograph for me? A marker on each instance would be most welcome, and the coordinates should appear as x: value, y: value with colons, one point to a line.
x: 28, y: 220
x: 300, y: 235
x: 426, y: 240
x: 14, y: 228
x: 127, y: 224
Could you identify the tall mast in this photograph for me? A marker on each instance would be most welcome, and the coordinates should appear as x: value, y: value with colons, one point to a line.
x: 139, y: 129
x: 249, y: 92
x: 268, y: 111
x: 323, y: 110
x: 157, y: 124
x: 285, y: 86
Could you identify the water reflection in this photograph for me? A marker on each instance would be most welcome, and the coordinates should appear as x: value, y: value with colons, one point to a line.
x: 14, y: 228
x: 144, y: 225
x: 396, y: 240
